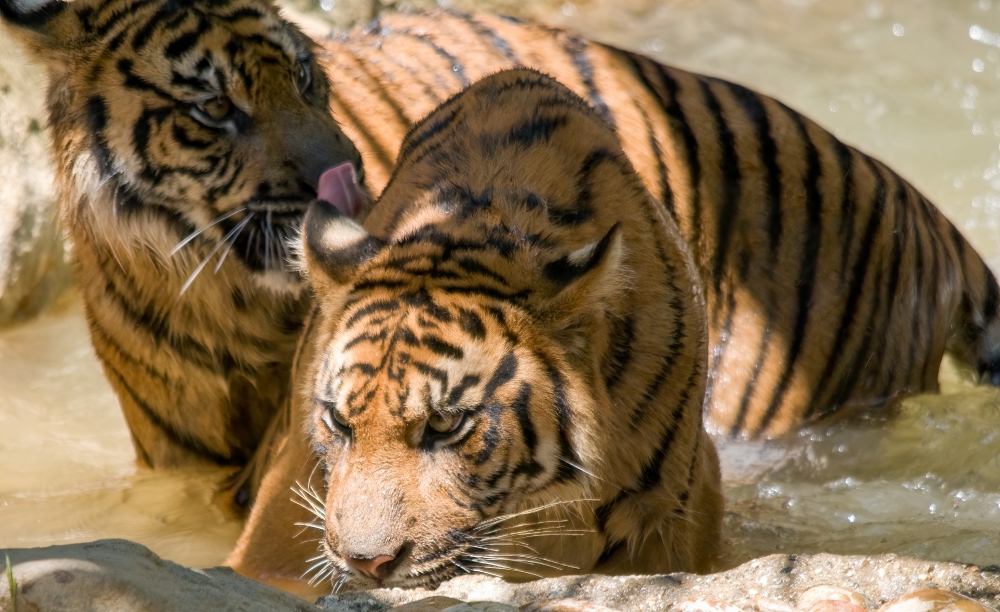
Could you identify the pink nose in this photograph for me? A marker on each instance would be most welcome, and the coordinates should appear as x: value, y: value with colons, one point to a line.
x: 373, y: 568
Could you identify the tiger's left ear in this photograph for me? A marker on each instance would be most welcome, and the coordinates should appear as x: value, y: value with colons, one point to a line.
x: 586, y: 280
x: 334, y: 245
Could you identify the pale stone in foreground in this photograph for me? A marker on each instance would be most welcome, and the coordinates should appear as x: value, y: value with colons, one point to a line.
x: 120, y: 576
x: 778, y: 579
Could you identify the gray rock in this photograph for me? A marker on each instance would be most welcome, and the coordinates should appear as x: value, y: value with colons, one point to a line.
x: 120, y: 576
x: 34, y: 269
x: 777, y: 578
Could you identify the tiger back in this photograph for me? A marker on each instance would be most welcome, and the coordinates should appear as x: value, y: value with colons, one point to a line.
x: 460, y: 368
x: 830, y: 281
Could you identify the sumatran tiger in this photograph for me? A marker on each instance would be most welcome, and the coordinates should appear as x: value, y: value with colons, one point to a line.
x: 190, y: 134
x: 460, y: 370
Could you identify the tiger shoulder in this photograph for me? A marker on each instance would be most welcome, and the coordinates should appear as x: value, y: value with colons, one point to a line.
x: 462, y: 347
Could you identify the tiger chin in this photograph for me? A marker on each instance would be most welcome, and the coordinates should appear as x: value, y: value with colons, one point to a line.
x: 184, y: 165
x: 459, y: 380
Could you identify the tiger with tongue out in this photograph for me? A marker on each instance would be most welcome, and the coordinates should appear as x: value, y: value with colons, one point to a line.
x: 179, y: 200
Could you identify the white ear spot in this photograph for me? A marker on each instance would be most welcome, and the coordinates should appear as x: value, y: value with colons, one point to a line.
x: 342, y: 233
x: 582, y: 255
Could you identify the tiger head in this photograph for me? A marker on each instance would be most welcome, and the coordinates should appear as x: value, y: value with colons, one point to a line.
x: 210, y: 116
x: 453, y: 390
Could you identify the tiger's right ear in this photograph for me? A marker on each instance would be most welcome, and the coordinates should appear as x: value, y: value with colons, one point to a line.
x: 45, y: 27
x: 334, y: 245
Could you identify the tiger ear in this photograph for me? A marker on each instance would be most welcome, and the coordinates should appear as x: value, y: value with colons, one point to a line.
x: 585, y: 280
x: 334, y: 245
x: 44, y: 26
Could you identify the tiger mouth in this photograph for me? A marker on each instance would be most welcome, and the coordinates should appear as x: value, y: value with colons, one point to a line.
x: 262, y: 236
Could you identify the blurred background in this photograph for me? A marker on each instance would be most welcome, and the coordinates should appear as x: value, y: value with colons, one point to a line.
x: 915, y: 83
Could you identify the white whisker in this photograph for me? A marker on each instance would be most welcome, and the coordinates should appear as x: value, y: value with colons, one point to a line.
x: 196, y: 233
x: 201, y: 266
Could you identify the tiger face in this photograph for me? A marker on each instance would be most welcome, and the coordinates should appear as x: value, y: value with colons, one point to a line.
x: 211, y: 116
x: 437, y: 416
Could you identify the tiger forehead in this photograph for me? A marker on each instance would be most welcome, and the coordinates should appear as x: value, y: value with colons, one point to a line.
x: 180, y: 29
x: 424, y: 353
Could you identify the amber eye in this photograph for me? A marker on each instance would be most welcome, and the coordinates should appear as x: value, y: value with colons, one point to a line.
x: 217, y: 108
x: 445, y: 422
x: 335, y: 421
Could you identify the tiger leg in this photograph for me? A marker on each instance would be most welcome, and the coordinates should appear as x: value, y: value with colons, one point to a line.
x: 679, y: 528
x: 976, y: 330
x: 275, y: 546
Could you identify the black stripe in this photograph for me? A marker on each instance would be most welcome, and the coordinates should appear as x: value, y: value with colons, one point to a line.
x: 427, y: 129
x: 500, y: 44
x: 810, y: 261
x: 501, y: 375
x: 564, y: 421
x: 756, y: 113
x: 471, y: 324
x: 185, y: 42
x: 729, y: 168
x: 621, y: 335
x: 441, y: 347
x: 848, y: 206
x: 679, y: 125
x: 652, y: 471
x: 577, y: 49
x: 456, y: 66
x: 455, y: 393
x: 389, y: 305
x: 180, y: 438
x: 849, y: 315
x: 97, y: 120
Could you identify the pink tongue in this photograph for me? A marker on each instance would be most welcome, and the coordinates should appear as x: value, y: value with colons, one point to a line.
x: 339, y: 186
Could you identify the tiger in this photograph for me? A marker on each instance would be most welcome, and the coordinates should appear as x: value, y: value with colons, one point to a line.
x: 829, y: 281
x: 153, y: 184
x: 455, y: 371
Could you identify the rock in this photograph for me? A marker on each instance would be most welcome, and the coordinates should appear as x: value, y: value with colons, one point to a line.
x: 120, y: 576
x: 769, y: 584
x: 934, y: 600
x: 34, y: 268
x: 826, y: 592
x: 703, y: 605
x: 431, y: 604
x: 834, y: 605
x: 562, y: 605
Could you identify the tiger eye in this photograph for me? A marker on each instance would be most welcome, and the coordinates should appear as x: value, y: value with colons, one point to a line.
x: 340, y: 419
x: 217, y: 108
x: 445, y: 422
x: 304, y: 79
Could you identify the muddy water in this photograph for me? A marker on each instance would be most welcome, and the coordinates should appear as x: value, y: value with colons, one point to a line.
x: 913, y: 82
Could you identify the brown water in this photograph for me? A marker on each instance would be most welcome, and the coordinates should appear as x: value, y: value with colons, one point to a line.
x: 913, y: 82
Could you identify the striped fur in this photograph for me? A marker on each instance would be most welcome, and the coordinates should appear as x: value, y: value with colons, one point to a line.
x: 483, y: 292
x: 830, y: 281
x: 199, y: 361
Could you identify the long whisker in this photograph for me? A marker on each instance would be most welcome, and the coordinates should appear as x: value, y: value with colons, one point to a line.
x: 196, y: 233
x: 222, y: 257
x: 507, y: 517
x: 201, y: 266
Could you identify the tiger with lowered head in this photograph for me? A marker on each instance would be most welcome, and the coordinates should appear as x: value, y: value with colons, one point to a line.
x: 459, y: 369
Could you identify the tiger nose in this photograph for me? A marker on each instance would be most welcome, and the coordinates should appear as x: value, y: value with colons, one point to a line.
x: 373, y: 568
